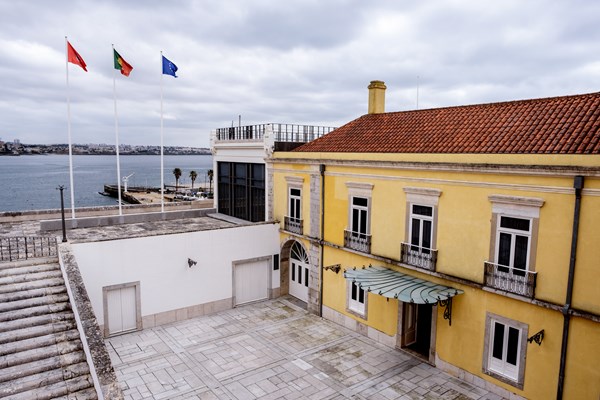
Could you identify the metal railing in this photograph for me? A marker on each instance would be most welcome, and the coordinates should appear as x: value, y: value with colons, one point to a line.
x: 281, y: 132
x: 513, y: 280
x: 357, y: 241
x: 294, y: 225
x: 25, y: 247
x: 418, y: 256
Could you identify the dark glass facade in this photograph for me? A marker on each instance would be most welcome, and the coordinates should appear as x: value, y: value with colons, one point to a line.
x: 241, y: 190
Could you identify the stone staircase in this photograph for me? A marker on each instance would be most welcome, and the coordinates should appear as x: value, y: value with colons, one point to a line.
x: 41, y: 354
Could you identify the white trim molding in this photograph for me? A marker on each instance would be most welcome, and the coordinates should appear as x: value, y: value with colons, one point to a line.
x: 294, y: 180
x: 516, y: 206
x: 423, y: 196
x: 360, y: 189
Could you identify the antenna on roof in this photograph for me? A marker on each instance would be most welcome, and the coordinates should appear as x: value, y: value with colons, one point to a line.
x: 417, y: 92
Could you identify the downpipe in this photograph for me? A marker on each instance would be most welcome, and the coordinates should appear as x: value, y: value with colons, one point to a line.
x: 322, y: 238
x: 578, y: 185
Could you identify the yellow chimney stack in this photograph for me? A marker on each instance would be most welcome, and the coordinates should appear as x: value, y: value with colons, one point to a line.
x: 377, y: 97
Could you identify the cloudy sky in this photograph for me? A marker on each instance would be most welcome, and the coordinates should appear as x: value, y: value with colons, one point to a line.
x: 291, y: 61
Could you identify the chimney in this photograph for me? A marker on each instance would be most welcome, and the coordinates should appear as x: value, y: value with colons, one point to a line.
x: 377, y: 97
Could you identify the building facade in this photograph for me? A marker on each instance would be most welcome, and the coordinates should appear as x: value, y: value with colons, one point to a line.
x: 464, y: 235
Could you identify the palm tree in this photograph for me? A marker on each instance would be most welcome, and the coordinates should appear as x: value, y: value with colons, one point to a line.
x: 193, y: 176
x: 210, y: 179
x: 177, y: 172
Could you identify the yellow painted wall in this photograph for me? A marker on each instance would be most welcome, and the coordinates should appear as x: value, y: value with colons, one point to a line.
x: 582, y: 377
x: 382, y: 314
x: 462, y: 344
x: 586, y: 293
x: 463, y: 239
x: 280, y: 193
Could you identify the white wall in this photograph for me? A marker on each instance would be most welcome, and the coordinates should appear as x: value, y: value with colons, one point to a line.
x: 160, y: 264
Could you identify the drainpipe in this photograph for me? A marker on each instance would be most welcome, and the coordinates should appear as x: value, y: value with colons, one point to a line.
x: 578, y: 185
x: 322, y: 238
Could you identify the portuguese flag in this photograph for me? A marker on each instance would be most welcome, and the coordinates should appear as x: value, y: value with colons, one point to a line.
x: 121, y: 64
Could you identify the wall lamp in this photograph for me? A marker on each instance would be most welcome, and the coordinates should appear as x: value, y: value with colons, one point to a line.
x: 335, y: 268
x: 191, y: 263
x: 538, y: 337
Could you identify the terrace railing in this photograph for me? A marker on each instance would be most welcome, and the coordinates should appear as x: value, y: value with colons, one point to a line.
x: 25, y: 247
x: 418, y: 256
x: 357, y: 241
x: 292, y: 224
x: 281, y: 132
x: 513, y: 280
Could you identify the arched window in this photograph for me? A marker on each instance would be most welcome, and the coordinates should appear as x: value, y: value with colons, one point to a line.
x: 297, y: 253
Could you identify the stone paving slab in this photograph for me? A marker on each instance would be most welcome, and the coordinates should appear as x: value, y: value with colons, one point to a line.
x: 272, y: 350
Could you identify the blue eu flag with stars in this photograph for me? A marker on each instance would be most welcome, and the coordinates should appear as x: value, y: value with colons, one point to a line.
x: 168, y: 67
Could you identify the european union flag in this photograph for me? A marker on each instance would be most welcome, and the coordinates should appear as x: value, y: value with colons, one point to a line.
x: 168, y: 67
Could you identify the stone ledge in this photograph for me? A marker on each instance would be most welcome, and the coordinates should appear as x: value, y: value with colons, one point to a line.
x: 91, y: 335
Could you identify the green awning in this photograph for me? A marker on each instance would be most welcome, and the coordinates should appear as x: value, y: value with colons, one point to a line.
x: 396, y: 285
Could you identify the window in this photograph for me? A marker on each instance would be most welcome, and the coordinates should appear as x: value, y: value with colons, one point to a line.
x: 513, y: 243
x: 514, y: 236
x: 421, y: 220
x: 505, y: 348
x: 358, y: 234
x: 293, y: 219
x: 360, y: 216
x: 241, y: 190
x: 357, y: 300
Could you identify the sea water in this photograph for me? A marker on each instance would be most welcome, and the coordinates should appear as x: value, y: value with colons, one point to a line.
x: 30, y: 182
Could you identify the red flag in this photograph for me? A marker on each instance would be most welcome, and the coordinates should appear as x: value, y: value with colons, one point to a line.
x: 74, y: 57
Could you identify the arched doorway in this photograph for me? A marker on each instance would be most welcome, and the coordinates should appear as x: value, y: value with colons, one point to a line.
x: 299, y: 272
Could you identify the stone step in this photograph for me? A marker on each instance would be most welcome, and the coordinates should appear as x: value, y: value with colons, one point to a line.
x: 37, y: 342
x: 28, y: 269
x: 53, y: 308
x: 31, y: 293
x: 34, y: 321
x: 37, y: 330
x: 86, y: 394
x: 49, y: 380
x: 45, y: 363
x: 31, y: 277
x: 8, y: 305
x: 44, y: 283
x: 28, y: 262
x: 39, y: 354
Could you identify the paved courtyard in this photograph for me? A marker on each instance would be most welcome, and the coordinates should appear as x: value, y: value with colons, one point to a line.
x: 272, y: 350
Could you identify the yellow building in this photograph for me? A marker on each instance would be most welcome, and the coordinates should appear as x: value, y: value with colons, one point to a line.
x: 467, y: 236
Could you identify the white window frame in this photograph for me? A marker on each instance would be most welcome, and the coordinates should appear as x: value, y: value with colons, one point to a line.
x: 354, y: 305
x: 363, y: 212
x: 427, y: 197
x: 359, y: 190
x: 513, y: 234
x: 421, y: 218
x: 500, y: 368
x: 515, y: 207
x: 297, y: 199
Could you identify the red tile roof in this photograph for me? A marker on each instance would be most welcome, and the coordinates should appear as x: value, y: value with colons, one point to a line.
x: 557, y: 125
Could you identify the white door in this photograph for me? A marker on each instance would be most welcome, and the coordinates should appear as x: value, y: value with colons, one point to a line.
x: 251, y: 282
x: 299, y: 272
x: 121, y: 309
x: 409, y: 324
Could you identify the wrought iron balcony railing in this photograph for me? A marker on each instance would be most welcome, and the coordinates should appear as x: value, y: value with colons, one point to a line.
x: 292, y: 224
x: 281, y: 132
x: 418, y: 256
x: 513, y: 280
x: 357, y: 241
x: 25, y: 247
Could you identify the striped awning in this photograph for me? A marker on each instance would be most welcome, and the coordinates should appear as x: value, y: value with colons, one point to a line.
x: 396, y: 285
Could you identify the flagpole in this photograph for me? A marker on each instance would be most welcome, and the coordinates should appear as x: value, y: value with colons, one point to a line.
x: 162, y: 172
x: 69, y: 130
x: 117, y: 138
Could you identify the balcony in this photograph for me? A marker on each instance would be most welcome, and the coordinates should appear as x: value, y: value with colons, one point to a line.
x: 513, y: 280
x: 294, y: 225
x: 420, y: 257
x: 357, y: 241
x: 281, y: 133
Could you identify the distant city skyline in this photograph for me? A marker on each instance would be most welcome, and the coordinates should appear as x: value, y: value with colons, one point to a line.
x: 291, y: 62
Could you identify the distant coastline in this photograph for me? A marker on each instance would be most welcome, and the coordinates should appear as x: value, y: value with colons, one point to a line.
x: 18, y: 149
